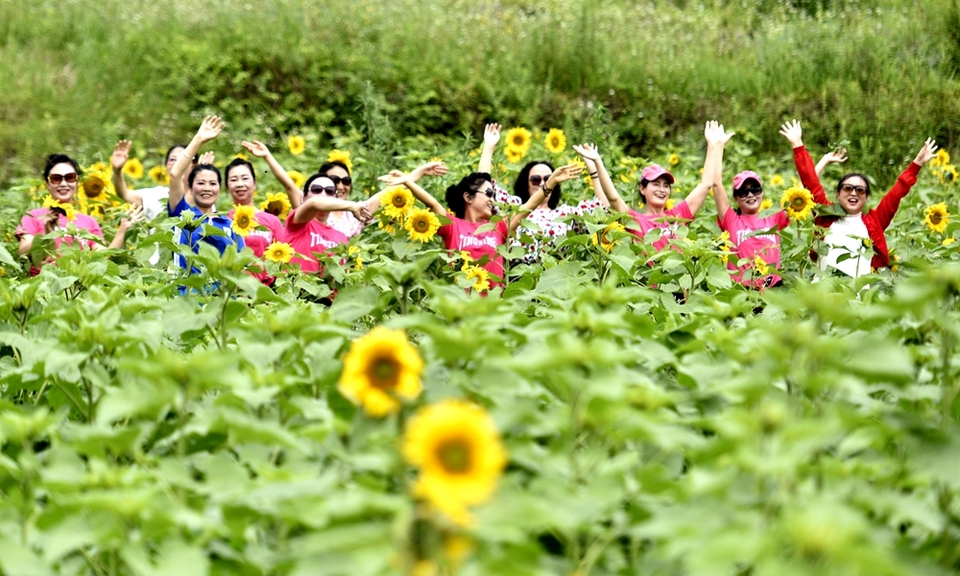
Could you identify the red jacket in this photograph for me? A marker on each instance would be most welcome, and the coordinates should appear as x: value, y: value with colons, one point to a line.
x: 876, y: 220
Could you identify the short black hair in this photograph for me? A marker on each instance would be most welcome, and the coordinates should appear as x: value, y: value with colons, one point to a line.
x: 239, y: 162
x: 200, y: 168
x: 54, y: 159
x: 469, y: 184
x: 326, y: 166
x: 170, y: 151
x: 521, y: 186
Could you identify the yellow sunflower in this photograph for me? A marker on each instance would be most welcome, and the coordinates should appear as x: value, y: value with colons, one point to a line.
x: 761, y: 266
x: 942, y: 158
x: 57, y: 206
x: 514, y: 155
x: 380, y: 369
x: 279, y: 252
x: 244, y: 220
x: 396, y: 201
x: 766, y: 204
x: 387, y: 227
x: 457, y: 448
x: 725, y: 246
x: 798, y: 202
x: 480, y: 277
x: 94, y: 185
x: 159, y: 175
x: 776, y: 180
x: 422, y: 224
x: 948, y: 241
x: 101, y: 167
x: 937, y: 217
x: 277, y: 204
x: 673, y: 160
x: 296, y: 144
x: 519, y: 138
x: 341, y: 156
x: 298, y: 178
x: 948, y: 175
x: 467, y: 260
x: 133, y: 168
x: 603, y: 238
x: 355, y: 252
x: 555, y: 142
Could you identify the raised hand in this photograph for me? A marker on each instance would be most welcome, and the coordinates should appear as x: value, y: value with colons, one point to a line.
x: 491, y: 135
x: 207, y: 158
x: 564, y: 173
x: 714, y: 133
x: 429, y: 169
x: 121, y: 152
x: 360, y: 211
x: 394, y: 178
x: 588, y: 152
x: 257, y: 148
x: 210, y: 128
x: 927, y: 152
x: 793, y: 132
x: 839, y: 156
x: 135, y: 214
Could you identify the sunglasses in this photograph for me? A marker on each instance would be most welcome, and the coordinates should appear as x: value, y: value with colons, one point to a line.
x: 848, y: 188
x: 536, y: 180
x: 744, y: 192
x: 328, y: 190
x: 58, y: 178
x: 346, y: 180
x: 489, y: 192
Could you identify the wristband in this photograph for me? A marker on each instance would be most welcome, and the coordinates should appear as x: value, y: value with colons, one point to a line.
x: 595, y: 174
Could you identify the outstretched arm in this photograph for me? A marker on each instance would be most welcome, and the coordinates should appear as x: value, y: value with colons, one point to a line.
x: 595, y: 180
x: 121, y: 152
x: 839, y: 156
x: 801, y: 159
x: 608, y: 194
x: 716, y: 138
x: 491, y: 137
x: 560, y: 175
x: 260, y: 150
x: 398, y: 178
x: 209, y: 129
x: 319, y: 203
x: 890, y: 203
x: 134, y: 216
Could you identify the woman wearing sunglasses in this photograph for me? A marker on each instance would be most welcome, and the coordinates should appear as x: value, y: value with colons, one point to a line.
x: 847, y: 236
x: 470, y: 203
x: 308, y: 231
x: 61, y: 176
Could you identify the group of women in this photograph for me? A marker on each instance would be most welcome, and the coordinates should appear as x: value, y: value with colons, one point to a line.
x: 323, y: 216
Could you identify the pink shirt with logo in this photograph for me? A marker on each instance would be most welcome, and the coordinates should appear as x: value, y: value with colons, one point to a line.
x: 750, y: 235
x: 666, y: 222
x: 258, y: 240
x: 310, y: 237
x: 32, y: 224
x: 462, y: 235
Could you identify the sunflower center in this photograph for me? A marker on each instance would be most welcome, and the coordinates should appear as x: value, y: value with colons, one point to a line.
x: 455, y: 456
x: 798, y: 203
x: 243, y: 221
x: 518, y: 141
x: 399, y: 202
x: 383, y: 373
x: 93, y: 189
x: 274, y: 207
x: 421, y: 225
x: 936, y: 218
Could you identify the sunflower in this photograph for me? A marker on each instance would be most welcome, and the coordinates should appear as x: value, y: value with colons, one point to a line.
x: 279, y: 252
x: 386, y: 227
x: 948, y: 241
x: 942, y: 158
x: 355, y: 252
x: 467, y: 260
x: 57, y: 206
x: 766, y: 204
x: 798, y: 202
x: 241, y: 156
x: 761, y: 266
x: 603, y: 239
x: 159, y: 175
x: 555, y: 142
x: 422, y: 224
x: 519, y: 138
x: 480, y: 277
x: 341, y: 156
x: 776, y: 180
x: 133, y: 168
x: 381, y: 368
x: 948, y: 175
x: 244, y: 220
x: 725, y: 246
x: 94, y: 185
x: 277, y: 204
x: 456, y: 447
x: 936, y: 217
x: 298, y: 178
x: 296, y: 144
x: 673, y: 160
x: 102, y: 167
x: 396, y: 201
x: 514, y: 155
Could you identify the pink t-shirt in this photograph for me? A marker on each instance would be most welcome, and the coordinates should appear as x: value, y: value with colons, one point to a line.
x: 258, y: 240
x: 747, y: 236
x: 310, y: 237
x: 32, y: 224
x: 648, y: 222
x: 462, y: 235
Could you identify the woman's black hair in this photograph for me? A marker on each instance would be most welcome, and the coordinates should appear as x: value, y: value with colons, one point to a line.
x: 846, y: 177
x: 200, y: 168
x: 326, y: 166
x: 521, y: 186
x: 239, y: 162
x: 54, y: 159
x: 309, y: 181
x: 170, y: 151
x: 469, y: 184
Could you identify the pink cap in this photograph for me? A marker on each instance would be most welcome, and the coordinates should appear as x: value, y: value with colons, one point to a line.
x: 742, y: 177
x: 654, y: 171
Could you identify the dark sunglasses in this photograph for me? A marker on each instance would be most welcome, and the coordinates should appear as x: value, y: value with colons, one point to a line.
x: 489, y: 192
x: 848, y: 188
x: 346, y: 180
x: 58, y: 178
x: 744, y: 192
x: 328, y: 190
x: 536, y: 180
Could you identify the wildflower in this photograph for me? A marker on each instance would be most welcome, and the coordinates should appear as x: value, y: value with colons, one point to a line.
x: 298, y: 178
x: 555, y: 142
x: 798, y: 202
x: 422, y: 224
x: 380, y: 369
x: 670, y: 204
x: 279, y: 252
x: 514, y: 155
x: 761, y: 266
x: 456, y: 447
x: 159, y: 175
x: 277, y: 204
x: 673, y: 160
x: 518, y: 138
x: 396, y: 201
x: 776, y: 180
x: 603, y: 239
x: 133, y: 168
x: 936, y: 217
x: 244, y: 220
x: 766, y: 204
x: 342, y: 156
x: 296, y: 144
x: 480, y: 277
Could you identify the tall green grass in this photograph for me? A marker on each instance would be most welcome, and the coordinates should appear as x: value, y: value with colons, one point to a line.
x: 880, y: 74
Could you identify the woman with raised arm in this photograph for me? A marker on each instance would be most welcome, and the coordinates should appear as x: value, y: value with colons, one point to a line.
x: 470, y: 203
x: 307, y: 229
x: 153, y: 200
x: 848, y: 234
x: 655, y: 186
x: 61, y: 175
x: 548, y: 215
x: 204, y: 182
